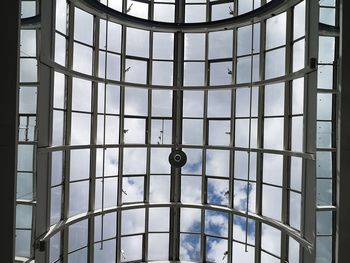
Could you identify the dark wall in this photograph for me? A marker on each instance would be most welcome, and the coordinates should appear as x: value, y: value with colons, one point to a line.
x: 8, y: 124
x: 343, y: 228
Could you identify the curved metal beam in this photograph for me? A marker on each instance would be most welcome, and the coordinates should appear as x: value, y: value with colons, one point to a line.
x: 305, y: 155
x: 262, y: 219
x: 72, y: 73
x: 263, y: 12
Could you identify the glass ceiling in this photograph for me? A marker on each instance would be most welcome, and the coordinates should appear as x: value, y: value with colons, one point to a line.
x: 121, y: 99
x: 195, y: 10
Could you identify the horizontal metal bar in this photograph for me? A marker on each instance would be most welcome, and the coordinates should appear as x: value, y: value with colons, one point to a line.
x: 326, y: 208
x: 33, y: 22
x: 309, y: 156
x: 262, y: 219
x: 69, y: 72
x: 25, y: 202
x: 263, y: 12
x: 328, y: 30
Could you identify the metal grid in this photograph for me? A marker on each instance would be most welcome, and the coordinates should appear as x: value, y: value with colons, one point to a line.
x: 177, y: 141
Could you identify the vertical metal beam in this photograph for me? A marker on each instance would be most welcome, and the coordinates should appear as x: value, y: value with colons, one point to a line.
x: 205, y: 140
x: 94, y: 106
x: 43, y: 121
x: 309, y: 179
x: 177, y: 139
x: 148, y: 142
x: 232, y: 140
x: 121, y: 138
x: 260, y: 139
x: 287, y: 132
x: 175, y: 177
x: 69, y: 83
x: 8, y: 124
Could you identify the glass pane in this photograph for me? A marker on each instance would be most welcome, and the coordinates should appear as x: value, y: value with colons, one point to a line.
x: 55, y: 204
x: 276, y: 31
x: 275, y: 63
x: 27, y: 99
x: 219, y: 132
x: 138, y: 9
x: 159, y: 161
x: 219, y: 73
x: 163, y: 45
x: 190, y: 247
x: 136, y: 101
x: 219, y: 103
x: 79, y: 164
x: 81, y: 95
x: 82, y: 59
x: 273, y: 169
x: 134, y: 130
x: 195, y: 13
x: 298, y: 55
x: 80, y: 129
x: 216, y: 249
x: 295, y: 210
x: 133, y: 188
x: 133, y: 221
x: 162, y: 73
x: 28, y: 70
x: 137, y: 41
x: 272, y: 202
x: 83, y: 26
x: 55, y: 246
x: 270, y: 239
x: 274, y: 99
x: 59, y: 91
x: 24, y: 216
x: 191, y: 189
x: 216, y: 223
x: 28, y: 43
x: 190, y: 220
x: 159, y: 219
x: 158, y: 246
x: 299, y: 20
x: 23, y: 243
x: 114, y: 37
x: 78, y: 235
x: 218, y: 163
x: 79, y: 256
x: 220, y: 44
x: 136, y: 71
x: 192, y: 132
x: 105, y: 252
x: 194, y: 48
x: 28, y: 9
x: 194, y: 74
x: 25, y: 157
x: 164, y: 13
x: 324, y: 249
x: 273, y: 133
x: 78, y: 197
x: 159, y: 189
x: 132, y: 156
x: 24, y: 186
x: 162, y: 103
x: 131, y: 248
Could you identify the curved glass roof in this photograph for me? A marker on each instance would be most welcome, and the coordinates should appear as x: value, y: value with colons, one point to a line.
x: 121, y: 98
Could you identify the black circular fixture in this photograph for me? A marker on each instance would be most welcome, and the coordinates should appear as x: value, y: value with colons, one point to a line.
x: 177, y: 158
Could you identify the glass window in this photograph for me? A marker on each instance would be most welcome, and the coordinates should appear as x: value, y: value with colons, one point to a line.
x: 276, y: 31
